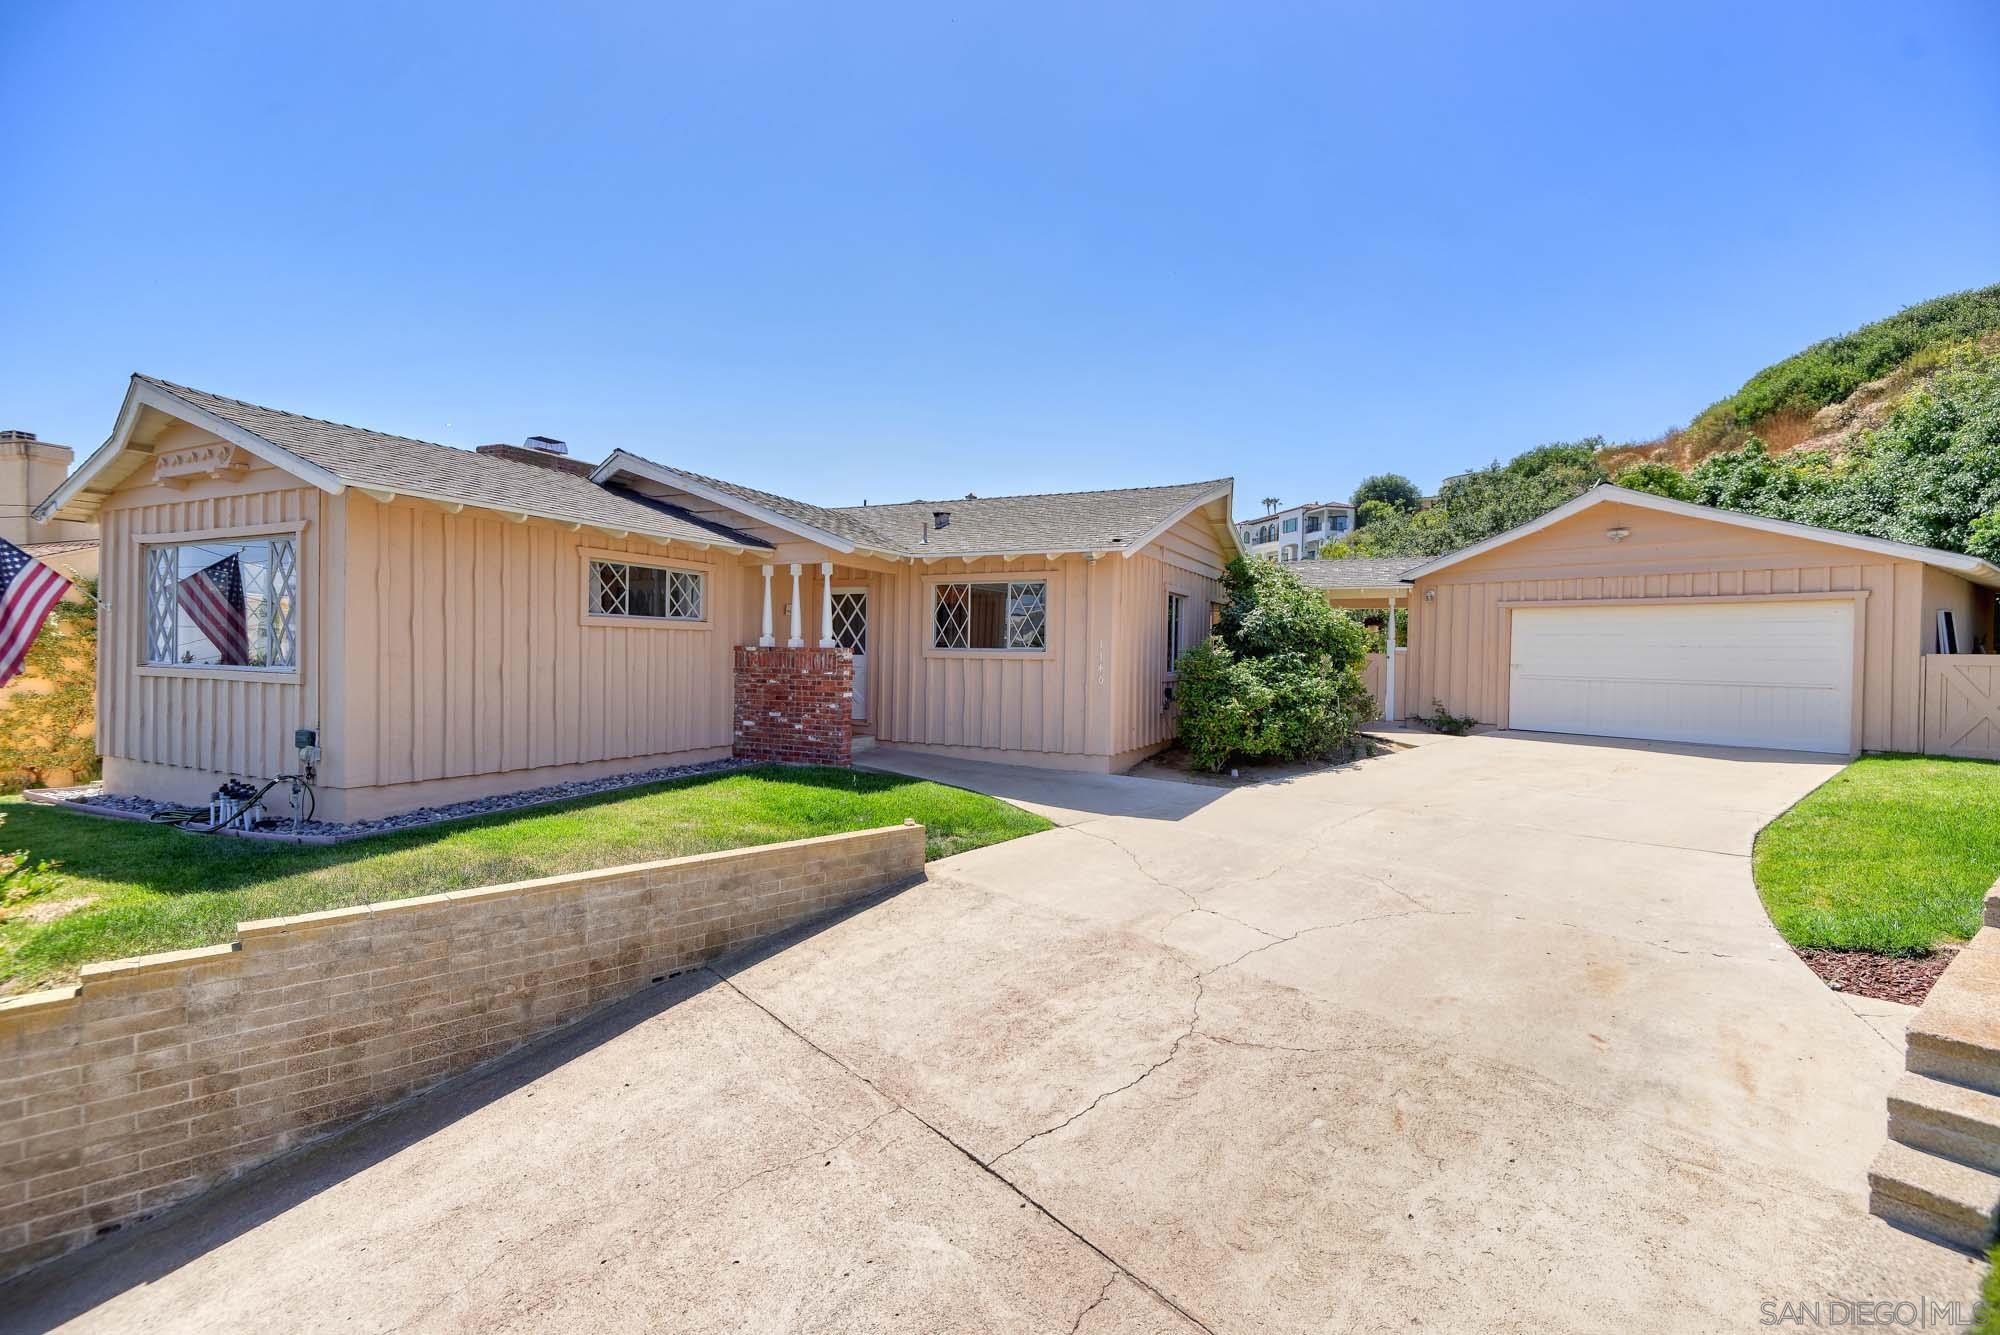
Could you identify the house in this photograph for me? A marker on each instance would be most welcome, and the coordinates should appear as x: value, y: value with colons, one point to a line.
x: 1296, y: 534
x: 1625, y: 614
x: 29, y: 469
x: 444, y: 624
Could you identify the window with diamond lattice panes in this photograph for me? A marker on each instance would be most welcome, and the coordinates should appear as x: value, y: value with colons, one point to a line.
x: 223, y: 604
x: 1009, y: 615
x: 850, y: 621
x: 656, y: 593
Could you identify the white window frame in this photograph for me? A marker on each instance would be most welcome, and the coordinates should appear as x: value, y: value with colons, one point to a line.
x: 1012, y: 580
x: 148, y: 666
x: 589, y: 615
x: 1177, y: 606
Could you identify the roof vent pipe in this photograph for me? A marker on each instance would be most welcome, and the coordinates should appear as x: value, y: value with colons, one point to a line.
x: 546, y: 444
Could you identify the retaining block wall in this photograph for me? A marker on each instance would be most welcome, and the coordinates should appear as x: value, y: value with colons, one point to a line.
x: 158, y: 1077
x: 795, y: 705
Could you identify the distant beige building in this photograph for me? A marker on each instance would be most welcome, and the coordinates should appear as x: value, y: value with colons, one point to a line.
x: 29, y: 470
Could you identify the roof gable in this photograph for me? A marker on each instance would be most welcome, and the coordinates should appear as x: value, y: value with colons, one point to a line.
x: 1606, y: 493
x: 1124, y: 520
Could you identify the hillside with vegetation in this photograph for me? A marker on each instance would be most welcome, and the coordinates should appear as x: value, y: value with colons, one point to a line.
x: 1892, y: 431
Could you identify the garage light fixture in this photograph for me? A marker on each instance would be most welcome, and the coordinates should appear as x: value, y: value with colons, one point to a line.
x: 1618, y: 534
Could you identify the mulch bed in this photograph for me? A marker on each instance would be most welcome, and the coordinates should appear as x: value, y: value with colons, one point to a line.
x: 1903, y: 978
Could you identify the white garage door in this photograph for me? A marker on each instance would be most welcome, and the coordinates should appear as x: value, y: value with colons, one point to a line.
x: 1734, y: 674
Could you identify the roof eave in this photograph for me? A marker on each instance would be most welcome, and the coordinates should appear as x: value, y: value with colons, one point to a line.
x: 1223, y: 490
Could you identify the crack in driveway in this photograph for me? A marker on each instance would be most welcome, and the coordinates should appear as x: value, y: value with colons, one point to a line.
x: 967, y: 1154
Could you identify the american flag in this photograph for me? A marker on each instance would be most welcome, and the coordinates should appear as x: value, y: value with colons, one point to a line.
x: 28, y: 589
x: 213, y: 596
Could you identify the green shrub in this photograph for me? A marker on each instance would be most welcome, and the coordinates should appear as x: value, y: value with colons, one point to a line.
x: 1280, y: 679
x: 50, y: 724
x: 1443, y: 720
x: 1658, y: 478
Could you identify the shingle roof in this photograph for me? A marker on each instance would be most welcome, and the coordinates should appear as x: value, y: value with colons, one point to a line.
x: 841, y: 524
x: 1069, y: 521
x: 363, y: 458
x: 1356, y: 572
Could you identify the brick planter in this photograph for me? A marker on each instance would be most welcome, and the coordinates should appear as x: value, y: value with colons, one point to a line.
x: 795, y: 705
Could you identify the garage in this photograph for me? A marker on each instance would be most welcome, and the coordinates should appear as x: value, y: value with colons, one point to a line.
x: 1778, y: 675
x: 1624, y: 614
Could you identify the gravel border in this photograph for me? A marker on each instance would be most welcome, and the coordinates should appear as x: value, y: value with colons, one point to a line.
x: 92, y: 800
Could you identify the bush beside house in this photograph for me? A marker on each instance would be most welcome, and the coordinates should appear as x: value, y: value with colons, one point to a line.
x: 1281, y: 679
x: 48, y: 724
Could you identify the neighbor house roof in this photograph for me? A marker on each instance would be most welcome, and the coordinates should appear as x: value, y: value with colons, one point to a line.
x: 41, y: 549
x: 1971, y: 567
x: 335, y: 456
x: 1356, y: 572
x: 1068, y: 521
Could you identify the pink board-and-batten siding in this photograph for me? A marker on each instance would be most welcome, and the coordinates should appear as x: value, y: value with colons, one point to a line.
x: 447, y: 654
x: 442, y: 656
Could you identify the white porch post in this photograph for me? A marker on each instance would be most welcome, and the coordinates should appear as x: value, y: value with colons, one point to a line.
x: 796, y: 641
x: 826, y: 604
x: 1389, y: 661
x: 765, y: 638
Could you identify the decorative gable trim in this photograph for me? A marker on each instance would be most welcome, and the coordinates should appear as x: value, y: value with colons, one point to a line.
x: 71, y: 501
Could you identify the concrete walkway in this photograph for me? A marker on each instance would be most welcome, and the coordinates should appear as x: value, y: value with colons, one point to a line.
x: 1483, y: 1035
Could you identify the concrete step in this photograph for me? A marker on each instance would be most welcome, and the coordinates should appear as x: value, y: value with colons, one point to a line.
x: 1956, y: 1036
x: 1952, y: 1202
x: 1947, y: 1120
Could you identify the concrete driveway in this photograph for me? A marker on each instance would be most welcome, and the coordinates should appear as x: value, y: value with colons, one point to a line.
x: 1487, y: 1034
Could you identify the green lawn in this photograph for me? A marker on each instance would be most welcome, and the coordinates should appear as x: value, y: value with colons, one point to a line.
x: 143, y: 888
x: 1893, y: 854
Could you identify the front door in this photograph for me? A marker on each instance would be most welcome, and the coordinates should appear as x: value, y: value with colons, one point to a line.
x: 850, y: 631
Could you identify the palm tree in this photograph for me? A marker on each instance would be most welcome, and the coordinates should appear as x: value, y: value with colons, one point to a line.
x: 1270, y: 505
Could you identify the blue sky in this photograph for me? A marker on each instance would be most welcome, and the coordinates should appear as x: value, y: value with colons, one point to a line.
x: 853, y: 252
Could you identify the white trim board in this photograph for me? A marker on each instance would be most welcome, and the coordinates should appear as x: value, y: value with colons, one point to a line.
x: 1969, y: 566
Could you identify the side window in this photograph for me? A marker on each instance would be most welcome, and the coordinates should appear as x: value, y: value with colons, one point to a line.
x: 1176, y: 618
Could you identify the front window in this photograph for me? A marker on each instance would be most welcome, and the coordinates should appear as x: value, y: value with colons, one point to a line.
x: 1292, y: 525
x: 1009, y: 614
x: 223, y: 604
x: 1176, y: 613
x: 1340, y: 523
x: 1313, y: 523
x: 654, y: 592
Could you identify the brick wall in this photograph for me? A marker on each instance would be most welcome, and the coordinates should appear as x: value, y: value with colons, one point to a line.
x: 158, y: 1077
x: 795, y: 705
